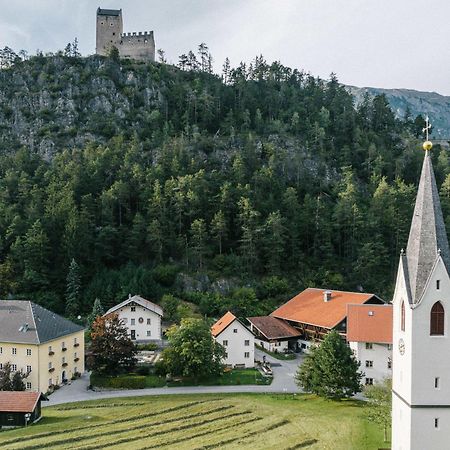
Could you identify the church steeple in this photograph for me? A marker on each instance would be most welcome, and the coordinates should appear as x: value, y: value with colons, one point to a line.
x: 427, y: 237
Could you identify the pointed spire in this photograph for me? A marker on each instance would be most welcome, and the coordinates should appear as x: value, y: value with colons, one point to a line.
x: 427, y: 237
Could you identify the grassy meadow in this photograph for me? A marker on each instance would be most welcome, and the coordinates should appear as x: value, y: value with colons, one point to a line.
x: 253, y: 421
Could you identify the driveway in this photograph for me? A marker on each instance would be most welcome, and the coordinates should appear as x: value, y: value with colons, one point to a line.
x: 283, y: 382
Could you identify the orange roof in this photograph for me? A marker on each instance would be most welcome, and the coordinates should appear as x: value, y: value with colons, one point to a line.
x: 369, y: 323
x: 309, y: 307
x: 222, y: 323
x: 18, y: 401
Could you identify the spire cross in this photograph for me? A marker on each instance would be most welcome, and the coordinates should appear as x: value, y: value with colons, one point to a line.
x: 427, y: 127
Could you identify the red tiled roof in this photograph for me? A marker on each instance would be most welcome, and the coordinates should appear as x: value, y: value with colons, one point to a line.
x: 309, y: 307
x: 18, y: 401
x: 222, y: 323
x: 369, y: 323
x: 273, y: 328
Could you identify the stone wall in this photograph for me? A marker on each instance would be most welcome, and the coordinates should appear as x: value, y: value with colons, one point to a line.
x: 140, y: 46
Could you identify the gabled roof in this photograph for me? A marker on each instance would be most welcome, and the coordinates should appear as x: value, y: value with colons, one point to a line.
x: 109, y: 12
x: 427, y: 236
x: 139, y: 301
x: 223, y: 323
x: 369, y: 323
x: 310, y: 308
x: 19, y: 401
x: 273, y: 328
x: 22, y: 321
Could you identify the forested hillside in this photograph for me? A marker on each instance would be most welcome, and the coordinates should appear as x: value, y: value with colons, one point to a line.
x: 233, y: 191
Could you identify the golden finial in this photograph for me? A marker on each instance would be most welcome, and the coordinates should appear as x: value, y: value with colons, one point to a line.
x: 427, y: 145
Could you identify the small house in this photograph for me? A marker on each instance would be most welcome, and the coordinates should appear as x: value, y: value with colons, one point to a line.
x: 19, y: 408
x: 141, y: 317
x: 274, y: 335
x: 237, y: 339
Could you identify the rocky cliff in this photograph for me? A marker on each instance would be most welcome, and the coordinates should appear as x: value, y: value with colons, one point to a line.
x: 435, y: 105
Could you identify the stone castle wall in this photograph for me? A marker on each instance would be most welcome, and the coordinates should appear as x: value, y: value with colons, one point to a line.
x: 140, y: 46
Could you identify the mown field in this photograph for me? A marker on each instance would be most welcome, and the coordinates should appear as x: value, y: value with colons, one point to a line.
x: 200, y: 422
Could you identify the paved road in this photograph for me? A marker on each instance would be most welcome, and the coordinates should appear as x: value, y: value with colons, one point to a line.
x: 283, y: 382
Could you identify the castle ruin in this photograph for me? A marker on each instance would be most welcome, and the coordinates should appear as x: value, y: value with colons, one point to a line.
x: 139, y: 46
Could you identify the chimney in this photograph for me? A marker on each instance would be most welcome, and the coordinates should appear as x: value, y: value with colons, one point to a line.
x: 326, y: 296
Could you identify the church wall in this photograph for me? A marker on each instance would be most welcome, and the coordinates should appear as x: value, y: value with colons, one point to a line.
x: 432, y: 352
x: 424, y: 434
x: 401, y: 423
x: 401, y: 373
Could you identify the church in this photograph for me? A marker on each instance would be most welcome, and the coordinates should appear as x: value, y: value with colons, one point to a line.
x: 421, y: 344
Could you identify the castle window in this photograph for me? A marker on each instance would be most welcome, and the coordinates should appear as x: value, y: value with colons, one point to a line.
x: 114, y: 33
x: 438, y: 284
x: 437, y: 320
x: 402, y: 313
x: 436, y: 422
x: 436, y: 383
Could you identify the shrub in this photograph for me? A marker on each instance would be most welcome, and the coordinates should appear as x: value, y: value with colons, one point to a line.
x: 120, y: 382
x: 165, y: 274
x: 151, y: 346
x: 143, y: 369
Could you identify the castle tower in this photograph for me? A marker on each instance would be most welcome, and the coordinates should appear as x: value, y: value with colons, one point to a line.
x: 109, y: 30
x: 421, y: 339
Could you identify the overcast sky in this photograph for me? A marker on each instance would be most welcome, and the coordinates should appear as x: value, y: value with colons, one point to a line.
x: 380, y: 43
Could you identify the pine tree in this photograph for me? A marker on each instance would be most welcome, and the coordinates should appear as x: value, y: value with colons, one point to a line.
x: 219, y: 228
x: 97, y: 311
x: 330, y: 370
x: 73, y: 290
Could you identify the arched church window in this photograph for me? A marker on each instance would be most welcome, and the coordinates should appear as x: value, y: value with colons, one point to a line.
x: 437, y: 320
x: 402, y: 314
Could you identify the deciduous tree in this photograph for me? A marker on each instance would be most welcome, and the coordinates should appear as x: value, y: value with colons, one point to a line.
x: 330, y: 370
x: 113, y: 352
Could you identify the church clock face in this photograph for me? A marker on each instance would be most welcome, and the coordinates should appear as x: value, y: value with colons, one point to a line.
x: 401, y: 346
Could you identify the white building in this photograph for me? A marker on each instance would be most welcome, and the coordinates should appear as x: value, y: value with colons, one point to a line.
x: 369, y: 335
x: 141, y: 317
x: 421, y: 341
x: 237, y: 339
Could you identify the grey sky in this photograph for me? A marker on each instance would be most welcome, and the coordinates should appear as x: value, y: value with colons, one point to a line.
x: 381, y: 43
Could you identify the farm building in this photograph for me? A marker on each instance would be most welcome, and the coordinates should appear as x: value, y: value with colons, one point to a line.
x: 41, y: 343
x: 141, y: 317
x: 369, y: 334
x: 274, y: 334
x: 315, y: 312
x: 18, y: 409
x: 237, y: 339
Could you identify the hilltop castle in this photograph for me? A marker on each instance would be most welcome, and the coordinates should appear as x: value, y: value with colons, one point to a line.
x: 140, y: 46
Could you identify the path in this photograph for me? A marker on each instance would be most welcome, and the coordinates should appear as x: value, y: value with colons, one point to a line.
x: 283, y: 382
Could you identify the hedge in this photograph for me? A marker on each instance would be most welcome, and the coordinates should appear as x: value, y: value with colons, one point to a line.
x: 119, y: 382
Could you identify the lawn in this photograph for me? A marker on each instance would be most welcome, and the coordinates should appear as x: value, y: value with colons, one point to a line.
x: 254, y: 421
